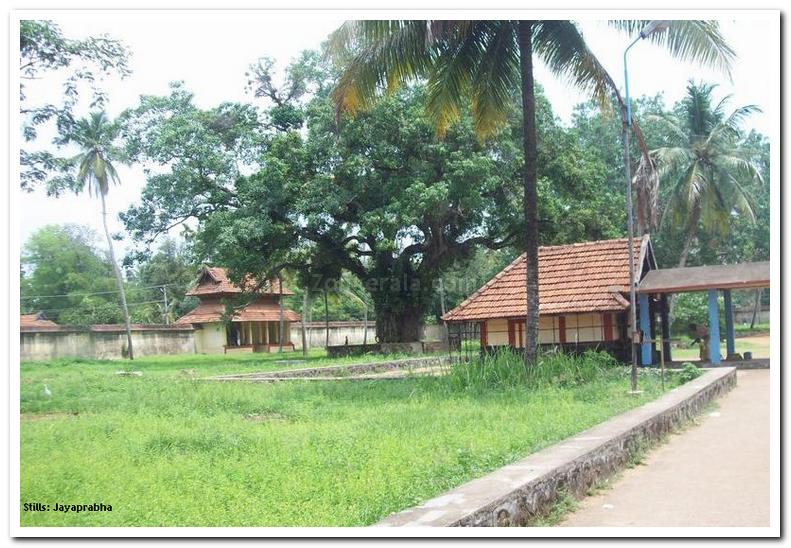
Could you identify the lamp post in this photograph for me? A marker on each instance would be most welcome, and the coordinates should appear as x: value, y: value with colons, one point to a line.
x: 651, y: 28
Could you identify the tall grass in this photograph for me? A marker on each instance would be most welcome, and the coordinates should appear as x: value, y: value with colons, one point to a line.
x: 506, y: 369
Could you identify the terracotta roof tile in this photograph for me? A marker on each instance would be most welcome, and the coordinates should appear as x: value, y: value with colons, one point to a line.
x: 214, y: 280
x: 37, y: 319
x: 583, y: 277
x: 264, y: 309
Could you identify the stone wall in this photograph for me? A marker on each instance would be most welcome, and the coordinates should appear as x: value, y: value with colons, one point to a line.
x: 351, y: 332
x: 103, y: 342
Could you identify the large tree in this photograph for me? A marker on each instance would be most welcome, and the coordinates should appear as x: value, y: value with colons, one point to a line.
x: 66, y: 276
x: 704, y: 162
x: 93, y: 169
x: 75, y: 64
x: 483, y: 62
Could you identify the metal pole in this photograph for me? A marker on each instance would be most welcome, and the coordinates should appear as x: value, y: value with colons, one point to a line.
x: 165, y: 292
x: 627, y: 122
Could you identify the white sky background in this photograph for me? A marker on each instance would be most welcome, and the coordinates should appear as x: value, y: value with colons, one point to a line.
x: 211, y: 51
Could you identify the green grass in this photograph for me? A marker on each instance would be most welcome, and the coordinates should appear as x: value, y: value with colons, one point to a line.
x: 204, y: 365
x: 165, y: 450
x: 759, y: 350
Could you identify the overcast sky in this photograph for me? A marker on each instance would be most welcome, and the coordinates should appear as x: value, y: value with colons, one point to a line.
x: 211, y: 51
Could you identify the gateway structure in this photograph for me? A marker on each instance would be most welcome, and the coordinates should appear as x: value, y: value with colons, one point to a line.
x: 583, y: 298
x: 254, y: 323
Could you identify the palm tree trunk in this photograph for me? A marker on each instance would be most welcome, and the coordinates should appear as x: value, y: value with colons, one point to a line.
x: 530, y: 192
x: 305, y: 300
x: 118, y: 279
x: 757, y: 307
x: 682, y: 261
x: 326, y: 322
x: 280, y: 303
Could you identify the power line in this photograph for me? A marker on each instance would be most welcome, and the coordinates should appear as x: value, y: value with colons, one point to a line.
x: 97, y: 292
x: 92, y: 306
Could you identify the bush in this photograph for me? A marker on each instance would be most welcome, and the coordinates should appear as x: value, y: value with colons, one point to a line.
x: 505, y: 368
x: 689, y: 372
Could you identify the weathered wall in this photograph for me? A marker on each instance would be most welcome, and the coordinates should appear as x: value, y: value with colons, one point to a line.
x: 353, y: 330
x: 83, y: 342
x: 210, y: 338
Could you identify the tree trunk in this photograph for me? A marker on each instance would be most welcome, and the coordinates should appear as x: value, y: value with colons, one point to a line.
x: 326, y: 322
x: 530, y: 192
x: 365, y: 323
x: 305, y: 301
x: 757, y: 307
x: 682, y: 261
x: 398, y: 322
x: 119, y: 279
x: 282, y: 327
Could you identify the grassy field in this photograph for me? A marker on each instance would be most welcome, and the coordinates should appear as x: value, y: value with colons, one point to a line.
x: 757, y: 344
x: 167, y: 450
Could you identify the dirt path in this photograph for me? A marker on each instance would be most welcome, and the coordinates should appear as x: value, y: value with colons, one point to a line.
x: 714, y: 474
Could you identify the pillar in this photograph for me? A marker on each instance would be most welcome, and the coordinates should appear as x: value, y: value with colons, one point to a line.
x: 729, y: 331
x: 645, y: 327
x: 665, y: 314
x: 714, y: 328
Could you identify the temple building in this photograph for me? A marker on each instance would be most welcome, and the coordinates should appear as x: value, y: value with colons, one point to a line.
x: 254, y: 325
x: 583, y: 298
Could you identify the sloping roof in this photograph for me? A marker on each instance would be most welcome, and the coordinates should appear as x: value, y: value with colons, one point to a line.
x: 700, y: 278
x: 37, y: 319
x: 260, y: 310
x: 583, y: 277
x: 213, y: 280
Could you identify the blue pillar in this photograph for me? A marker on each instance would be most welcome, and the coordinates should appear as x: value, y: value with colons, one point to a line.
x: 714, y: 328
x: 729, y: 333
x: 645, y: 327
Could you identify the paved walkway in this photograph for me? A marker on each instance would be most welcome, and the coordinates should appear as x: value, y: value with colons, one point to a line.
x: 714, y: 474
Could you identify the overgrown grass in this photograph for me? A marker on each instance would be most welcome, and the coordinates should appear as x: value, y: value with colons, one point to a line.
x: 164, y: 449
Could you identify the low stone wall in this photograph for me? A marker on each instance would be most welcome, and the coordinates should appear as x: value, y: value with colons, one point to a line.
x: 517, y: 494
x: 337, y: 370
x: 351, y: 333
x: 103, y: 342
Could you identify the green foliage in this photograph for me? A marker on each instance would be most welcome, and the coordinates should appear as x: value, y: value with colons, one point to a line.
x: 339, y: 453
x: 170, y: 266
x: 709, y: 173
x: 689, y: 372
x: 65, y: 260
x: 46, y: 53
x: 506, y: 369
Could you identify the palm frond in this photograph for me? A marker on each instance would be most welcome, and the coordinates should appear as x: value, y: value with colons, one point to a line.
x: 379, y: 56
x: 695, y: 41
x: 563, y: 49
x: 495, y: 79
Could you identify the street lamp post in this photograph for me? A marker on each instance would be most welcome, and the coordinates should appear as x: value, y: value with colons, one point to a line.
x: 651, y: 28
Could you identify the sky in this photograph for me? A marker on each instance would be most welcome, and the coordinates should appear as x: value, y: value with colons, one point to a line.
x: 210, y: 52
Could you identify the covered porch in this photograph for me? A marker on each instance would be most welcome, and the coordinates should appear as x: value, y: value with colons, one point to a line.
x: 657, y: 285
x: 257, y: 336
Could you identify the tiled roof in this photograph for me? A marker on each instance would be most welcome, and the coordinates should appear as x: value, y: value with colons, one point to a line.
x: 214, y: 280
x: 35, y: 320
x: 264, y: 309
x: 583, y: 277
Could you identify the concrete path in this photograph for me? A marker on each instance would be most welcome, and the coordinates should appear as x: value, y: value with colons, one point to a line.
x: 713, y: 474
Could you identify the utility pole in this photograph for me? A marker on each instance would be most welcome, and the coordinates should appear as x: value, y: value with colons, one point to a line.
x: 442, y: 305
x: 165, y: 293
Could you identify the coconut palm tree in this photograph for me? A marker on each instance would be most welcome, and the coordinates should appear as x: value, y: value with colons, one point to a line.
x: 96, y: 136
x: 705, y: 165
x: 483, y: 63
